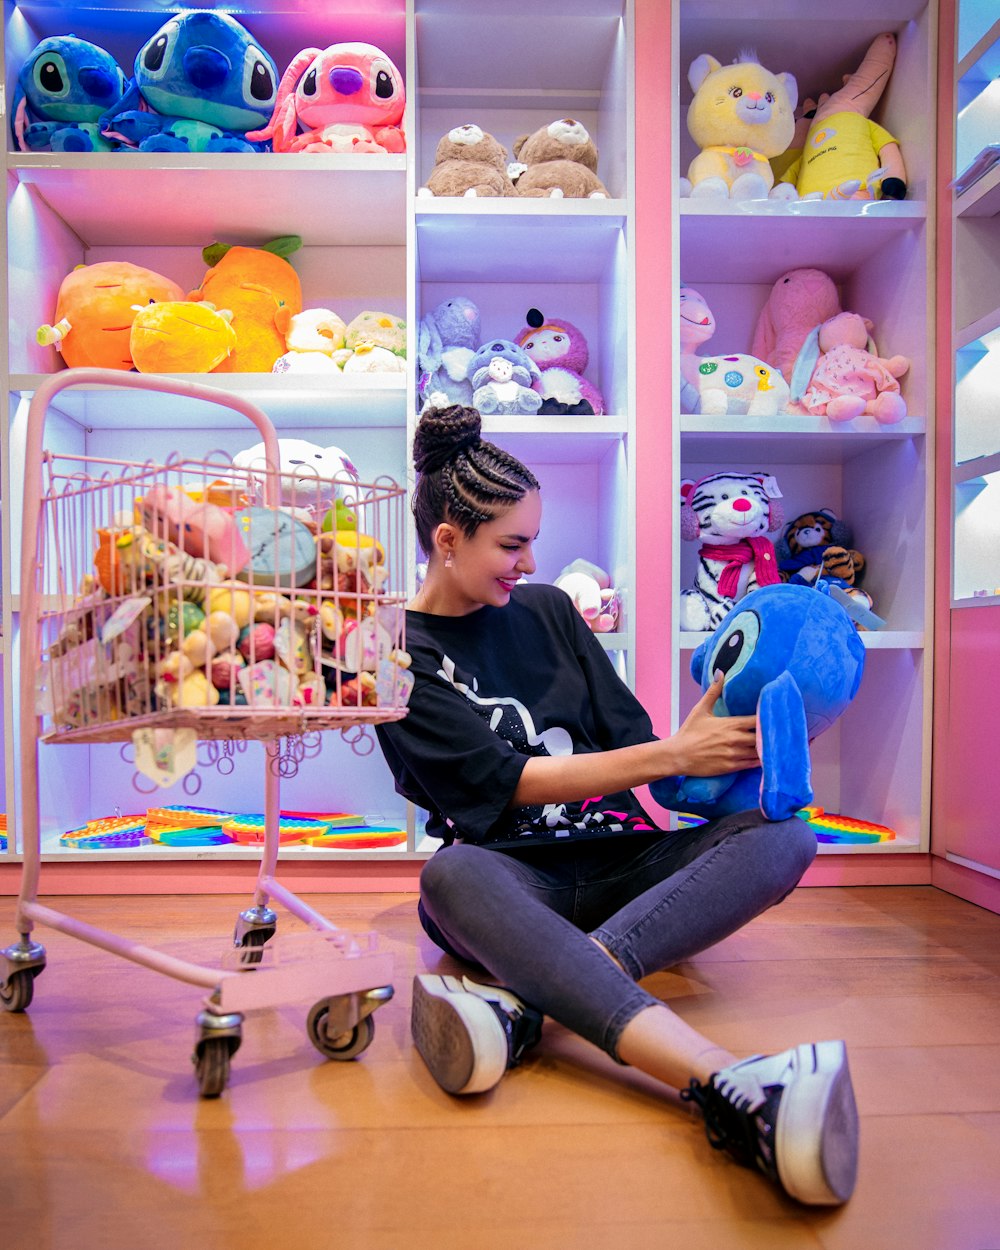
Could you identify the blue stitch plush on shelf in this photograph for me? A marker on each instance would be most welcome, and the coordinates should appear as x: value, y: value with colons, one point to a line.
x: 63, y: 88
x: 200, y: 83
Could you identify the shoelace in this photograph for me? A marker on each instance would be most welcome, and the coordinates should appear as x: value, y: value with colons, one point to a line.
x: 729, y: 1124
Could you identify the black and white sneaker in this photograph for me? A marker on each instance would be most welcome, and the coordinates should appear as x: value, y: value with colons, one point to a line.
x: 469, y: 1034
x: 792, y: 1116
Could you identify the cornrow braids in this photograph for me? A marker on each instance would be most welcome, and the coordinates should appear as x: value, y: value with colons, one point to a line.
x: 463, y: 479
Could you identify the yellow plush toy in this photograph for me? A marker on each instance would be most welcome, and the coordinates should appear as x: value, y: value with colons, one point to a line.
x: 740, y: 117
x: 263, y: 292
x: 845, y: 155
x: 181, y: 336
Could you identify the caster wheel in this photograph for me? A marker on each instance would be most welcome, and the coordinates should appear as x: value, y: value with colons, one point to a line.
x: 348, y: 1045
x: 16, y: 995
x: 251, y: 943
x: 211, y: 1065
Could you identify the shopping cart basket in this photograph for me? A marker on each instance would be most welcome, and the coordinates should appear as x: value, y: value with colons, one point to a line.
x: 192, y: 597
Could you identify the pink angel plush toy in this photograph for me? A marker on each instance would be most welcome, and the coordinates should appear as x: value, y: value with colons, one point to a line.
x: 838, y: 374
x: 346, y: 98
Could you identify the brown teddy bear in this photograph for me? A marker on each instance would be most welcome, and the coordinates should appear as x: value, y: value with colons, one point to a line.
x: 468, y: 161
x: 558, y: 160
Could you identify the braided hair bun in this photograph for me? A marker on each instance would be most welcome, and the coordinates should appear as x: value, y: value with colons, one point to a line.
x: 442, y: 433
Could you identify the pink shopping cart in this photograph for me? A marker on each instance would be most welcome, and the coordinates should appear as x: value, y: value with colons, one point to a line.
x: 195, y: 598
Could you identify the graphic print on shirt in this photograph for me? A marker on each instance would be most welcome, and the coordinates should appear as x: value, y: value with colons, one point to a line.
x: 510, y: 720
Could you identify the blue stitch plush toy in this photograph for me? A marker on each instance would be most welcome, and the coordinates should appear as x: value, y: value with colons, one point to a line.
x: 62, y: 90
x: 792, y: 655
x: 200, y: 83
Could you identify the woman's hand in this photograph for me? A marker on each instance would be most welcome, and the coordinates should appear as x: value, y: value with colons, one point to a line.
x: 706, y: 745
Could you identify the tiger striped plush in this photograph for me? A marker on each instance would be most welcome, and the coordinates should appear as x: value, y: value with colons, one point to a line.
x: 819, y: 542
x: 730, y: 513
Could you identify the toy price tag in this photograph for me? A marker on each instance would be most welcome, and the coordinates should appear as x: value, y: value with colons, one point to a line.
x: 165, y: 755
x: 123, y: 616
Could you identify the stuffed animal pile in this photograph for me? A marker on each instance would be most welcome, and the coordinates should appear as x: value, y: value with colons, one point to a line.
x: 538, y: 370
x: 807, y: 357
x: 203, y: 83
x: 743, y: 119
x: 205, y: 598
x: 246, y: 316
x: 558, y: 160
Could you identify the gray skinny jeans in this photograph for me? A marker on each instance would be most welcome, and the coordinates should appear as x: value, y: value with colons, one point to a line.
x: 525, y: 914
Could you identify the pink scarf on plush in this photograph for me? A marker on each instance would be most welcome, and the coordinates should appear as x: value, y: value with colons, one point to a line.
x: 759, y: 550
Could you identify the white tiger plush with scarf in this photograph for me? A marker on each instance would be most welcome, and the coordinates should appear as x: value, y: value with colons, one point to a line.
x: 730, y: 513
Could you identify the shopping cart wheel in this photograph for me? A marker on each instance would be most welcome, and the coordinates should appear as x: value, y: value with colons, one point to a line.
x: 251, y: 943
x: 211, y: 1066
x: 17, y: 991
x: 219, y: 1037
x: 346, y: 1045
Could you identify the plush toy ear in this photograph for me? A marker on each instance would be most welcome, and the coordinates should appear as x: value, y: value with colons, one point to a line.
x: 429, y: 345
x: 841, y: 533
x: 689, y: 522
x: 805, y: 363
x: 698, y: 658
x: 519, y: 143
x: 286, y: 88
x: 792, y: 87
x: 700, y: 69
x: 775, y: 510
x: 765, y: 335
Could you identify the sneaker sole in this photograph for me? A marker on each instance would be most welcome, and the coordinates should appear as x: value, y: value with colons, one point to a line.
x: 457, y: 1035
x: 819, y: 1165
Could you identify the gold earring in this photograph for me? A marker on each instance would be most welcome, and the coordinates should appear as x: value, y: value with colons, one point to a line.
x: 448, y: 561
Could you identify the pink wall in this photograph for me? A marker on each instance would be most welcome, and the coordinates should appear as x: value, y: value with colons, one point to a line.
x: 654, y: 282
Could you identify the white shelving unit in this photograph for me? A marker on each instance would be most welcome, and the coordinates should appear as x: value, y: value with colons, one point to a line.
x: 875, y: 764
x: 368, y: 243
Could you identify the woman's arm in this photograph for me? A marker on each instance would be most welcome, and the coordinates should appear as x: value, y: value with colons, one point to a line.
x: 704, y: 746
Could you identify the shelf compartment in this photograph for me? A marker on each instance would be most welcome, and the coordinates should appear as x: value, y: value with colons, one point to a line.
x: 790, y: 439
x: 728, y: 242
x: 188, y: 201
x: 870, y: 764
x: 880, y: 492
x: 977, y: 385
x: 976, y: 535
x: 299, y: 400
x: 498, y: 242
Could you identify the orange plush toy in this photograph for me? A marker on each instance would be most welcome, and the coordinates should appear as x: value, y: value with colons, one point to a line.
x: 95, y: 310
x: 262, y: 291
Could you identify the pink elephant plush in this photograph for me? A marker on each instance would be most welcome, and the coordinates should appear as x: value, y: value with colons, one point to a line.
x: 839, y: 375
x: 798, y: 302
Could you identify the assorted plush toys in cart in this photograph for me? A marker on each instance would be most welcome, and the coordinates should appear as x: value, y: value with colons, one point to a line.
x: 202, y: 598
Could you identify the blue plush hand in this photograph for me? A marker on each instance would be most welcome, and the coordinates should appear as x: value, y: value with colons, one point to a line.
x: 784, y: 736
x: 133, y: 127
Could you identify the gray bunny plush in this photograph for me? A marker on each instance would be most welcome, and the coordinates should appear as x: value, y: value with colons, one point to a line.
x: 447, y: 338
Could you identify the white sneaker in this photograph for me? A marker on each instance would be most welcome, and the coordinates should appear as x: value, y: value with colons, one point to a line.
x: 469, y: 1034
x: 792, y: 1116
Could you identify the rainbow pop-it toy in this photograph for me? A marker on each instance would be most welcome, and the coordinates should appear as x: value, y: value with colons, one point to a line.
x: 249, y: 830
x: 830, y: 827
x: 359, y: 837
x: 827, y: 826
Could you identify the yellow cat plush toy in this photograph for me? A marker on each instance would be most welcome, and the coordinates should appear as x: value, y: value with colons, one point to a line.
x: 740, y: 117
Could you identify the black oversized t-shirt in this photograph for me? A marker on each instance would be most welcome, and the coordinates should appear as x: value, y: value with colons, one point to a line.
x: 492, y: 689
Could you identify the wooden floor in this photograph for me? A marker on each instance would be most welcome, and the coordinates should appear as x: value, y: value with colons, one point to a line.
x: 104, y: 1143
